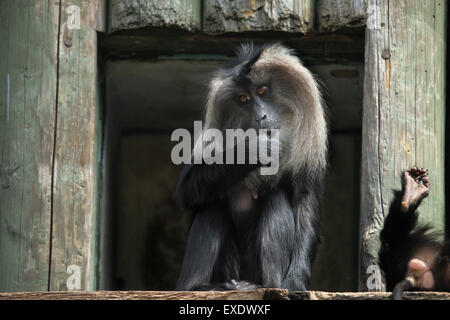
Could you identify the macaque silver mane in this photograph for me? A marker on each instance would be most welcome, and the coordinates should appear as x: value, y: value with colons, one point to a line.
x: 250, y: 230
x: 411, y: 256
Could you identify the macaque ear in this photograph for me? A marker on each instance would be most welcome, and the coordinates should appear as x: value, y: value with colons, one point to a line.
x: 422, y: 274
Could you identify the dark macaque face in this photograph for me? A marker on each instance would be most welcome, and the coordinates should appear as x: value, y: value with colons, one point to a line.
x: 256, y: 101
x: 249, y: 106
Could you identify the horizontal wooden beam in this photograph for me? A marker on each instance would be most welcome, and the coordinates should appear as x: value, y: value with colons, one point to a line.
x: 220, y: 16
x: 341, y: 14
x: 329, y: 48
x: 321, y: 295
x: 259, y: 294
x: 134, y: 14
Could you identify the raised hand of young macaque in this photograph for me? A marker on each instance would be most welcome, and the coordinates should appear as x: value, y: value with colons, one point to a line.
x: 410, y: 255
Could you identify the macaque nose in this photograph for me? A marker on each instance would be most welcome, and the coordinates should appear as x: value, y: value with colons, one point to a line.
x: 259, y: 119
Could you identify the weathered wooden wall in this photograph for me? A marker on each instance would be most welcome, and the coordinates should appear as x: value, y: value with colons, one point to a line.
x: 49, y: 114
x: 74, y: 228
x: 403, y: 114
x: 221, y: 16
x: 49, y: 102
x: 124, y: 15
x: 258, y: 294
x: 28, y: 71
x: 340, y: 14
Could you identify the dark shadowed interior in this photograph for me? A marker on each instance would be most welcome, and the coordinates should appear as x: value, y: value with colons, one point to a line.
x: 143, y: 232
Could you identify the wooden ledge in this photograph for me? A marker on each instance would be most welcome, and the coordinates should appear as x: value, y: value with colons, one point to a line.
x: 260, y: 294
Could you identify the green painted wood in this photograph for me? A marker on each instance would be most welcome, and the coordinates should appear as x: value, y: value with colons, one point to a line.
x: 133, y: 14
x: 403, y: 114
x: 28, y: 55
x: 221, y: 16
x: 76, y: 168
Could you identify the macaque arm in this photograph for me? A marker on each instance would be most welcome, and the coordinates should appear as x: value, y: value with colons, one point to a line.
x: 201, y: 184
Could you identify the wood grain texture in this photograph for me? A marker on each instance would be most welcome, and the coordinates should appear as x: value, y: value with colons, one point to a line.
x: 75, y: 204
x: 133, y: 14
x: 221, y: 16
x: 28, y: 80
x: 403, y: 113
x: 338, y: 14
x: 321, y: 295
x: 260, y: 294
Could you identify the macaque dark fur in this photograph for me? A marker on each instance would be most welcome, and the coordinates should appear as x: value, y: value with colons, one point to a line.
x: 249, y: 230
x: 410, y: 255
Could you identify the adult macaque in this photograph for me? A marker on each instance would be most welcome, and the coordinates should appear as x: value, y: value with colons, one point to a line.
x: 248, y: 229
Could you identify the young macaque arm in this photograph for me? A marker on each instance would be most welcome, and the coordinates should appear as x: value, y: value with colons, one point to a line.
x: 405, y: 251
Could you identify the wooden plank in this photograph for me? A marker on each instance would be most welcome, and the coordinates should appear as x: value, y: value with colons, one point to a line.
x: 260, y: 294
x: 28, y: 55
x: 134, y: 14
x: 221, y: 16
x: 320, y: 295
x: 312, y: 48
x: 341, y: 14
x: 403, y: 114
x: 75, y: 203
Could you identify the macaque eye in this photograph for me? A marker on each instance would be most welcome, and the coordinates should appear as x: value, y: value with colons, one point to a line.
x: 261, y: 90
x: 244, y: 97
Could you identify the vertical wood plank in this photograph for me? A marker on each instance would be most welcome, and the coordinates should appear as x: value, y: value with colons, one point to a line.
x: 75, y: 207
x: 404, y: 113
x: 28, y: 55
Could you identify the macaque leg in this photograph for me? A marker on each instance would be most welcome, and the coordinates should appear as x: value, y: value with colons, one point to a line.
x: 413, y: 191
x: 421, y: 273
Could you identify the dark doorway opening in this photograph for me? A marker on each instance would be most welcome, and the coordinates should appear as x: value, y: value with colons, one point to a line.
x: 147, y: 96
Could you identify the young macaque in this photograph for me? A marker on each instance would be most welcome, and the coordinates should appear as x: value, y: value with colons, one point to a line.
x: 411, y: 256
